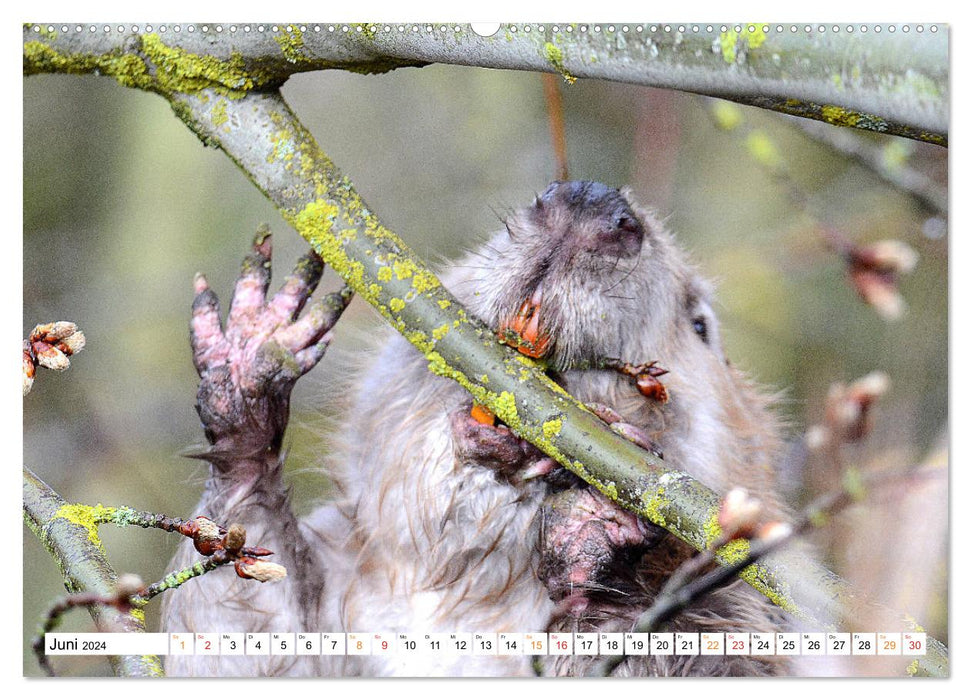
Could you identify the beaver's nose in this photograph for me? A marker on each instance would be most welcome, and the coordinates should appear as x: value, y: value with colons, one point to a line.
x: 603, y: 220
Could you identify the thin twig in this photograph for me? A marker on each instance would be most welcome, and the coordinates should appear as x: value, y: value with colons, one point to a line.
x: 121, y: 600
x: 932, y: 196
x: 679, y: 592
x: 175, y: 579
x: 554, y: 108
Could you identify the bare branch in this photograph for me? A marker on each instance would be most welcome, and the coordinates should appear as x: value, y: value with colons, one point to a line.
x: 121, y: 600
x: 554, y: 107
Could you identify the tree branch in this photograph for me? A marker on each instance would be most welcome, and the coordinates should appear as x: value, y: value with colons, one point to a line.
x: 843, y: 78
x: 73, y: 543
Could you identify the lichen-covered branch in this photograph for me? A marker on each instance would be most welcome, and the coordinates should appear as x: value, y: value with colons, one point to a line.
x: 848, y: 79
x: 73, y: 543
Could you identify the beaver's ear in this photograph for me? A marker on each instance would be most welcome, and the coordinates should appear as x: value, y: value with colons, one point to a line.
x: 649, y: 217
x: 699, y: 314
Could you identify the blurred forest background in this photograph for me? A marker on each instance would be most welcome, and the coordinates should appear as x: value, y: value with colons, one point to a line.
x: 122, y: 205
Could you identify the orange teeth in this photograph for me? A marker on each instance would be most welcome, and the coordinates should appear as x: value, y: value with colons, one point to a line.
x: 523, y: 332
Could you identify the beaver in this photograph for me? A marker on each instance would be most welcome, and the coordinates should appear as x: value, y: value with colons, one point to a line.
x: 444, y: 522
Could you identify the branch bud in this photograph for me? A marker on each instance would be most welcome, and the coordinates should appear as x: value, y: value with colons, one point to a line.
x: 50, y: 357
x: 30, y: 369
x: 875, y: 272
x: 847, y: 413
x: 235, y: 538
x: 771, y: 533
x: 888, y: 256
x: 263, y: 571
x: 739, y: 513
x: 128, y: 585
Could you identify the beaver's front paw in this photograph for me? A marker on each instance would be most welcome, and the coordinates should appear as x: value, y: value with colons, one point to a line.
x: 494, y: 446
x: 584, y: 537
x: 248, y: 370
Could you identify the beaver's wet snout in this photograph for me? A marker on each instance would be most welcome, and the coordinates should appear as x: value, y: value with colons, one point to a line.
x: 591, y: 216
x: 577, y: 242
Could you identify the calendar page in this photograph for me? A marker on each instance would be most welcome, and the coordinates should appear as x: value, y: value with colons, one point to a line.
x: 485, y: 350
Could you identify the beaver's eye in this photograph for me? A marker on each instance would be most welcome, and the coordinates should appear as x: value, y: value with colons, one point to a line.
x: 700, y: 326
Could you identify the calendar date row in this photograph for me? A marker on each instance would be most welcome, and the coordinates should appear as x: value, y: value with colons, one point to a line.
x: 492, y: 643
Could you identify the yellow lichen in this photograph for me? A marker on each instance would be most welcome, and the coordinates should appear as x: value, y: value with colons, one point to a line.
x: 735, y: 551
x: 726, y: 41
x: 610, y: 490
x: 839, y: 116
x: 87, y: 517
x: 506, y: 407
x: 403, y: 269
x: 127, y: 69
x: 419, y: 339
x: 554, y: 54
x: 753, y: 575
x: 218, y: 114
x: 752, y: 36
x: 711, y: 529
x: 654, y: 506
x: 423, y: 281
x: 291, y: 44
x: 177, y: 70
x: 315, y: 222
